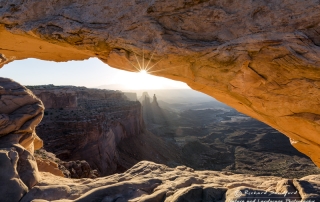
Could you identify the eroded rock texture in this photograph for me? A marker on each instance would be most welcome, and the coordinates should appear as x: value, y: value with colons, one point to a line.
x: 48, y: 162
x: 260, y: 57
x: 147, y: 181
x: 20, y: 112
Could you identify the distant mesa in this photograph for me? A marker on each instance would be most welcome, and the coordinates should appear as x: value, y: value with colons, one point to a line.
x: 131, y: 96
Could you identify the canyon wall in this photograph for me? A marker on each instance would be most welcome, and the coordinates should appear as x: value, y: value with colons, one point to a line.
x: 87, y: 124
x: 260, y: 57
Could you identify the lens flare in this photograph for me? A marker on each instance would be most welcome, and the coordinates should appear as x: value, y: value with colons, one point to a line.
x: 145, y: 67
x: 143, y: 71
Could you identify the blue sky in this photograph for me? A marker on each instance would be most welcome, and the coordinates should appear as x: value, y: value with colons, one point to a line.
x: 89, y: 73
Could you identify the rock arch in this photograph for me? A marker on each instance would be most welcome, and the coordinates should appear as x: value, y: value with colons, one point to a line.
x: 260, y: 57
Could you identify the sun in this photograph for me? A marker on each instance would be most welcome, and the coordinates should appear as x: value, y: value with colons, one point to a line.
x: 143, y: 75
x: 143, y: 71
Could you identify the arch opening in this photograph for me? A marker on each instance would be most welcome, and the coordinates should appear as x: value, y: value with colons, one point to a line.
x: 164, y: 116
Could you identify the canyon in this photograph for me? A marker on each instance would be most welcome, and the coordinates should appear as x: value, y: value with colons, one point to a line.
x: 144, y: 181
x: 102, y: 127
x: 212, y: 136
x: 82, y: 124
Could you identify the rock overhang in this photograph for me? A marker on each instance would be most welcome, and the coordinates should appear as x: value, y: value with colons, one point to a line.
x: 261, y: 58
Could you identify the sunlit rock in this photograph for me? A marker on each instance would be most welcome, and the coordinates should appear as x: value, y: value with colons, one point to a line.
x: 147, y: 181
x: 260, y: 57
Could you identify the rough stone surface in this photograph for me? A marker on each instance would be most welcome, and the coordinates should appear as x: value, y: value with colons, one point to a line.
x: 260, y: 57
x: 48, y: 162
x: 80, y: 169
x: 11, y: 186
x: 20, y: 112
x: 45, y: 165
x: 147, y: 181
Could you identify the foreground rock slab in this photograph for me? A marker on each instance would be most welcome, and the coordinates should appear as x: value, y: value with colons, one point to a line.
x: 147, y: 181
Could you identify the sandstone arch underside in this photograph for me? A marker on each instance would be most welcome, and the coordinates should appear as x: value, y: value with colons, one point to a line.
x: 259, y: 57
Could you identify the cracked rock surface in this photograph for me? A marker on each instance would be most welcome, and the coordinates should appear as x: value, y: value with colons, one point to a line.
x: 147, y: 181
x: 260, y: 57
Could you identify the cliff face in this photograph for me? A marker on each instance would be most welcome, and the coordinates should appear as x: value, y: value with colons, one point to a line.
x: 87, y: 124
x: 58, y: 99
x: 260, y: 57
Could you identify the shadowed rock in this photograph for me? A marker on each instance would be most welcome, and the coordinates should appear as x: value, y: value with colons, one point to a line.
x: 87, y: 124
x: 20, y: 112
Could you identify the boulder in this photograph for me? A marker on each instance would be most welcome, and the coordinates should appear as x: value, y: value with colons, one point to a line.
x: 20, y: 112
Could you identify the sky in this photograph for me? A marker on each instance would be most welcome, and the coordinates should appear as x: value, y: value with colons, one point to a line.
x: 90, y: 73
